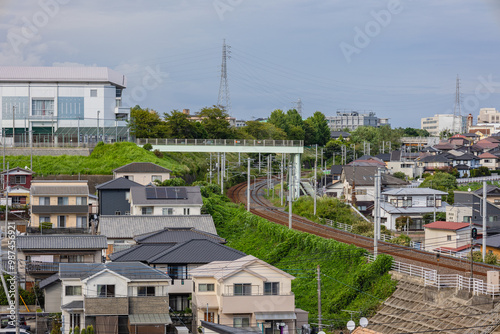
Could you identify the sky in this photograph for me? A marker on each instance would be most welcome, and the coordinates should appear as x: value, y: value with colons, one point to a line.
x: 397, y: 58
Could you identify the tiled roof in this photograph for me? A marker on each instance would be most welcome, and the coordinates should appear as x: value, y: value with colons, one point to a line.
x: 142, y: 167
x: 413, y: 191
x: 364, y: 176
x: 452, y: 226
x: 74, y: 305
x: 119, y: 183
x: 48, y: 281
x: 31, y: 242
x: 435, y: 158
x: 410, y: 210
x: 18, y: 171
x: 76, y: 188
x: 130, y: 270
x: 140, y: 252
x: 176, y: 235
x: 127, y: 227
x: 487, y: 155
x: 61, y: 74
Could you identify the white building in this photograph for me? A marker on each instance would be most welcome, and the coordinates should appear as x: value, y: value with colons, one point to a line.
x: 354, y: 119
x: 441, y: 122
x: 61, y: 103
x: 488, y: 115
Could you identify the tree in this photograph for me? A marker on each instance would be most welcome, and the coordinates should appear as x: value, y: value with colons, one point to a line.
x: 175, y: 182
x: 215, y: 121
x: 320, y: 127
x: 178, y: 125
x: 400, y: 175
x: 261, y: 130
x: 442, y: 181
x: 146, y: 123
x: 403, y: 221
x: 278, y: 119
x: 412, y: 132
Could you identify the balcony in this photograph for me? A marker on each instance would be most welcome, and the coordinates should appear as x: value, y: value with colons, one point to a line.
x: 35, y: 267
x: 106, y: 306
x: 58, y: 230
x: 148, y: 304
x: 258, y: 303
x: 54, y: 209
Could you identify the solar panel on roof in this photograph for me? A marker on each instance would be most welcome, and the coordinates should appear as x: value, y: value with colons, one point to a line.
x: 181, y: 193
x: 166, y: 193
x: 150, y: 193
x: 161, y: 193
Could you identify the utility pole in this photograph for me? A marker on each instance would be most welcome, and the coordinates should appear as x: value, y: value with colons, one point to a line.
x: 248, y: 185
x: 210, y: 167
x: 484, y: 220
x: 14, y: 126
x: 290, y: 195
x: 97, y: 137
x: 223, y: 169
x: 319, y: 296
x: 434, y: 206
x: 281, y: 178
x: 315, y: 178
x: 376, y: 214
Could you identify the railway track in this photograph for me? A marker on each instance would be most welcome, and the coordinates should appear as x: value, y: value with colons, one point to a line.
x: 263, y: 208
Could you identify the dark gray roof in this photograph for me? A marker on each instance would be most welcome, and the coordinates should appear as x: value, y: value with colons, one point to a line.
x: 490, y: 189
x: 140, y: 252
x: 48, y: 281
x: 119, y: 183
x: 384, y: 156
x: 75, y: 304
x: 222, y: 329
x: 337, y: 134
x: 138, y: 197
x: 493, y: 241
x: 130, y: 270
x: 127, y: 227
x: 176, y: 235
x: 142, y: 167
x: 364, y: 176
x: 35, y: 242
x: 435, y: 158
x: 192, y: 251
x: 77, y: 188
x: 413, y: 192
x: 337, y: 169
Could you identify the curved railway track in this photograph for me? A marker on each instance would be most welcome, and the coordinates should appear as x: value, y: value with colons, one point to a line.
x: 263, y: 208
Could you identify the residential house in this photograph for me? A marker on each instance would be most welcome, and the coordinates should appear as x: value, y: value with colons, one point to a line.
x: 19, y: 183
x: 167, y: 201
x: 121, y: 230
x: 41, y: 254
x: 190, y: 250
x: 114, y: 196
x: 489, y: 160
x: 335, y: 189
x: 447, y: 237
x: 492, y: 245
x: 458, y: 213
x: 61, y: 204
x: 410, y: 202
x: 142, y: 172
x: 247, y: 292
x: 114, y: 297
x: 336, y: 172
x: 487, y: 144
x: 492, y: 194
x: 405, y: 162
x: 473, y: 200
x: 463, y: 162
x: 433, y: 163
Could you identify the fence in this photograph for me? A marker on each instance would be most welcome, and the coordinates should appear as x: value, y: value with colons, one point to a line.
x: 432, y: 278
x: 219, y: 142
x: 479, y: 179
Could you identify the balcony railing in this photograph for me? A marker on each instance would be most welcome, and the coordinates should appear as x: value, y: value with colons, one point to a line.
x: 220, y: 142
x: 41, y: 267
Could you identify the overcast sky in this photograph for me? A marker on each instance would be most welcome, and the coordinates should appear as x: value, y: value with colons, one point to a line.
x: 399, y: 59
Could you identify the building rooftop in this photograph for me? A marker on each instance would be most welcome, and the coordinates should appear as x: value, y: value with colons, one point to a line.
x: 176, y: 235
x: 130, y: 270
x: 141, y: 167
x: 441, y: 225
x: 166, y: 196
x: 413, y: 192
x: 35, y: 242
x: 119, y: 183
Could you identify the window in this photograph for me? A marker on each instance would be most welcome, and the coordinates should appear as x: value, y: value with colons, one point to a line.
x: 167, y: 211
x: 129, y: 177
x: 178, y: 302
x: 81, y: 201
x: 44, y: 200
x: 448, y: 238
x: 242, y: 289
x: 204, y: 287
x: 271, y: 288
x: 209, y: 316
x: 61, y: 221
x: 93, y: 93
x: 72, y: 258
x: 81, y: 221
x: 44, y: 219
x: 241, y: 321
x: 177, y: 272
x: 155, y: 177
x: 147, y: 210
x: 146, y: 291
x: 62, y: 201
x: 20, y: 179
x: 117, y: 213
x: 360, y: 191
x: 16, y: 199
x: 74, y: 320
x: 106, y: 290
x: 186, y: 211
x: 42, y: 107
x: 73, y: 290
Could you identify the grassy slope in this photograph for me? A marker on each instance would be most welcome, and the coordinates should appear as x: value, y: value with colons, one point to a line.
x: 107, y: 157
x: 348, y: 282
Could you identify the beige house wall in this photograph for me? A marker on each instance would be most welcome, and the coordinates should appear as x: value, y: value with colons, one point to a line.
x: 142, y: 178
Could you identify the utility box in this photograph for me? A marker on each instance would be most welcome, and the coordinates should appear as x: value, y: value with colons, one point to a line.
x: 493, y: 280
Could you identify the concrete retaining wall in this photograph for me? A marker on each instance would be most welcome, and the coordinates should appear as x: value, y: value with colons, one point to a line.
x: 47, y: 151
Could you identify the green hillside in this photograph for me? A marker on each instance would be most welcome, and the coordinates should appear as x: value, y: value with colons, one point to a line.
x: 348, y: 281
x: 107, y: 157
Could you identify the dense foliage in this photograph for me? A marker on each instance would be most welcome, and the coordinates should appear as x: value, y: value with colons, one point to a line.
x: 441, y: 181
x: 348, y: 281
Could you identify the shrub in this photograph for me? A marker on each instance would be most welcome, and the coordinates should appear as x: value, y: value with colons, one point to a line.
x: 158, y: 153
x: 148, y: 147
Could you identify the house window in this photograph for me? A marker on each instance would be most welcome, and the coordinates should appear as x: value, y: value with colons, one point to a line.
x: 62, y: 201
x: 146, y: 291
x: 81, y: 221
x: 147, y: 210
x: 155, y: 178
x: 20, y: 179
x: 117, y: 213
x: 74, y: 320
x: 93, y: 93
x: 44, y: 219
x: 61, y: 221
x: 129, y: 177
x: 177, y: 272
x: 72, y: 258
x: 271, y: 288
x: 42, y: 107
x: 360, y: 191
x: 204, y: 287
x: 44, y: 201
x: 242, y: 289
x: 105, y: 291
x: 167, y: 211
x: 448, y: 238
x: 16, y: 199
x: 81, y: 201
x: 241, y: 321
x: 209, y: 316
x: 186, y: 211
x: 73, y: 290
x: 178, y: 302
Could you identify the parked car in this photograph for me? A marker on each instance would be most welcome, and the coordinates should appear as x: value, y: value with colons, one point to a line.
x: 22, y: 323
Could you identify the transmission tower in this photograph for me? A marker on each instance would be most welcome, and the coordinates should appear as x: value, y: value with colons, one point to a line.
x: 223, y: 100
x: 457, y: 111
x: 299, y: 106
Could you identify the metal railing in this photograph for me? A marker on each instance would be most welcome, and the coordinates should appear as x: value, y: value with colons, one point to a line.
x: 455, y: 281
x: 479, y: 179
x: 218, y: 142
x: 35, y: 266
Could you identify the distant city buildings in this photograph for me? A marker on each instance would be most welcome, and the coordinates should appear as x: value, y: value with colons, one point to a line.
x: 488, y: 115
x: 444, y: 122
x: 354, y: 119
